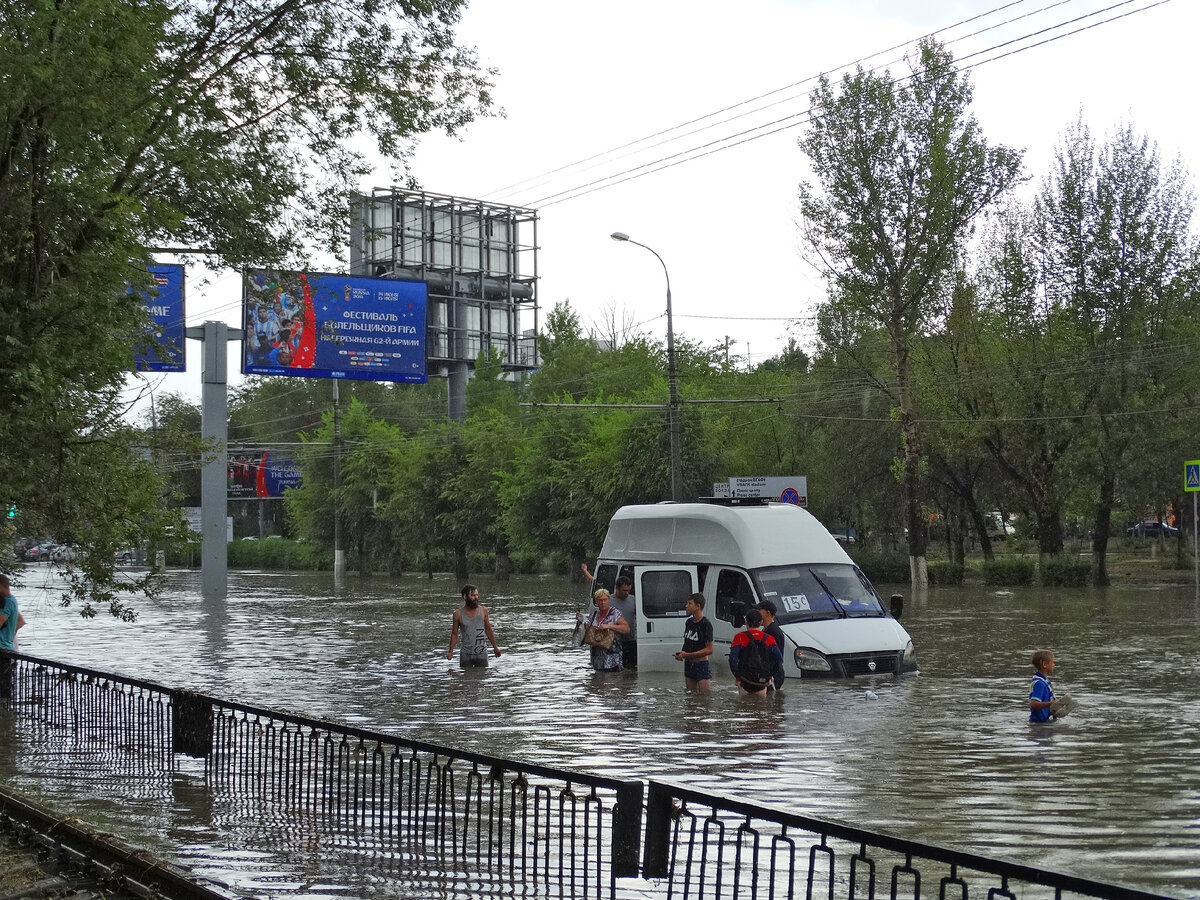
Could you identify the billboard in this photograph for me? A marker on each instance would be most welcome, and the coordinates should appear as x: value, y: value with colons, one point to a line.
x: 164, y: 303
x: 318, y: 325
x: 257, y: 474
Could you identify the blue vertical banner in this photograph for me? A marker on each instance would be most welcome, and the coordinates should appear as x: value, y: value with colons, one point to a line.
x: 164, y: 350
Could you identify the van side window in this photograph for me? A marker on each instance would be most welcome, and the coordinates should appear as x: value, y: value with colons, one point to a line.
x: 665, y: 593
x: 734, y: 595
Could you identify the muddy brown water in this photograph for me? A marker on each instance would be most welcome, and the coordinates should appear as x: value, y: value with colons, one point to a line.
x: 1111, y: 793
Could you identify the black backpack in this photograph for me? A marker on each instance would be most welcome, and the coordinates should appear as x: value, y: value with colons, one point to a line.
x: 757, y: 664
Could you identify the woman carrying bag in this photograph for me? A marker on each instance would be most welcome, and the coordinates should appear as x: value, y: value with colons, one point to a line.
x: 601, y: 631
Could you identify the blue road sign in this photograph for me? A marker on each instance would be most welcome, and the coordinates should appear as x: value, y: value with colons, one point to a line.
x: 1191, y: 475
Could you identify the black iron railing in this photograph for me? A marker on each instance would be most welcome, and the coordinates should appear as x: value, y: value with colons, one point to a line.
x: 491, y: 821
x: 712, y: 847
x: 497, y: 824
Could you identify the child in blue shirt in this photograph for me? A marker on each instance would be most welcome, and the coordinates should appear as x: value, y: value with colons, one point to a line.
x: 1041, y: 694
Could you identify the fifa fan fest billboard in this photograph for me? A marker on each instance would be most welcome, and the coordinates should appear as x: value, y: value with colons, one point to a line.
x: 318, y: 325
x: 164, y: 303
x: 257, y: 474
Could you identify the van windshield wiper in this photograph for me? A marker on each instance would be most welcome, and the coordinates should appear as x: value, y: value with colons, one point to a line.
x: 832, y: 597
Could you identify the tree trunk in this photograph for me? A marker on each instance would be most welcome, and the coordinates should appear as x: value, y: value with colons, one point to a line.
x: 460, y: 562
x: 979, y: 523
x: 958, y: 548
x: 917, y: 538
x: 503, y: 567
x: 1049, y: 532
x: 503, y: 562
x: 1100, y: 528
x: 364, y: 558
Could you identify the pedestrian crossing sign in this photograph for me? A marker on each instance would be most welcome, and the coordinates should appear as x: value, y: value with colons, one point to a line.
x: 1191, y: 475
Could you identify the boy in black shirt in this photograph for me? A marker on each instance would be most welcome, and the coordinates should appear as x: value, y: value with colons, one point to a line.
x: 768, y: 610
x: 697, y: 646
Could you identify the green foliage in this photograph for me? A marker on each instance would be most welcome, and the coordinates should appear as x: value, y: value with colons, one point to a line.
x: 1006, y: 571
x: 883, y: 568
x: 279, y: 553
x: 1065, y: 571
x: 205, y: 124
x: 944, y: 572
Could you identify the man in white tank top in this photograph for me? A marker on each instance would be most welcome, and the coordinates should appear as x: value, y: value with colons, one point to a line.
x: 476, y: 629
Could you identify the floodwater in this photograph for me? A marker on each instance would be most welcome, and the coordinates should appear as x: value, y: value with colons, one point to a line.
x: 1111, y: 793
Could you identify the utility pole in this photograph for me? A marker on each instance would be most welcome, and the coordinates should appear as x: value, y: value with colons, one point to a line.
x: 674, y: 424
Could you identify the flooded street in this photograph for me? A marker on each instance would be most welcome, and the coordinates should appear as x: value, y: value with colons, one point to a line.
x: 1111, y: 793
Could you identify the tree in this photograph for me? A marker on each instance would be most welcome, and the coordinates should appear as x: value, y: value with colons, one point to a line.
x: 173, y: 436
x: 1116, y: 255
x: 903, y: 172
x: 204, y: 124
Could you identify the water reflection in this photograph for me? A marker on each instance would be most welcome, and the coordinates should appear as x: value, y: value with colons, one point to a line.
x: 1110, y: 793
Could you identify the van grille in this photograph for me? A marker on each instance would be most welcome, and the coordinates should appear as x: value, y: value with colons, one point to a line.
x: 884, y: 664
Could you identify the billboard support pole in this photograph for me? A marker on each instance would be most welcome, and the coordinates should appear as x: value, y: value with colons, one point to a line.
x: 339, y: 556
x: 214, y: 476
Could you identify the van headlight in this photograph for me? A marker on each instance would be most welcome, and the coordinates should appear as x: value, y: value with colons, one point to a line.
x: 909, y: 662
x: 809, y: 660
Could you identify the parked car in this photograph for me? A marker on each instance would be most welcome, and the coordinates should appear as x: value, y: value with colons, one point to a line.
x: 65, y: 553
x: 38, y: 552
x: 128, y: 555
x: 1151, y: 529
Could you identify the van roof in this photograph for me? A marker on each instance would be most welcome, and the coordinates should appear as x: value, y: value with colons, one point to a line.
x: 749, y: 536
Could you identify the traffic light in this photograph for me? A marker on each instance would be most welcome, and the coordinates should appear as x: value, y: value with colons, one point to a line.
x: 12, y: 510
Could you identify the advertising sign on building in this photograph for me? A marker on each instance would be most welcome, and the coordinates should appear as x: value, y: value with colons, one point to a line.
x: 260, y: 474
x: 784, y: 488
x: 317, y: 325
x: 164, y: 303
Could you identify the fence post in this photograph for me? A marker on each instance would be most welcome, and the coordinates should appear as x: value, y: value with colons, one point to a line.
x: 191, y: 723
x: 656, y: 858
x: 627, y: 829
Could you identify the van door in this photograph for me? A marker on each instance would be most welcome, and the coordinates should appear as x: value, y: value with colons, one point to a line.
x: 662, y: 593
x: 732, y: 595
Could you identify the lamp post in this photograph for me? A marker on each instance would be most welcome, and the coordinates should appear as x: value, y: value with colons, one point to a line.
x: 674, y: 429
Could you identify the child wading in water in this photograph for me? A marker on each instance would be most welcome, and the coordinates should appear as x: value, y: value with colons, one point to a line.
x: 1041, y: 694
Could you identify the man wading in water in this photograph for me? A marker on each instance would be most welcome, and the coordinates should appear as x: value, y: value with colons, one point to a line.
x: 476, y: 631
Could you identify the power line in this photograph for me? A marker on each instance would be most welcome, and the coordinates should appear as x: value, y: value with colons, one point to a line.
x: 802, y: 117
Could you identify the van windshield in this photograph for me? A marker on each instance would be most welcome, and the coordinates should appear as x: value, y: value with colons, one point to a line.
x: 802, y: 593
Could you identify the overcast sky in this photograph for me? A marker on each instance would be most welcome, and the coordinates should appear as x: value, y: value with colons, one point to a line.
x: 596, y: 136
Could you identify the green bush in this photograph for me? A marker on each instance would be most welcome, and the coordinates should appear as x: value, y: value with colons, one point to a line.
x: 278, y: 553
x: 945, y: 572
x: 526, y: 563
x: 883, y: 568
x: 1008, y: 570
x: 1066, y: 571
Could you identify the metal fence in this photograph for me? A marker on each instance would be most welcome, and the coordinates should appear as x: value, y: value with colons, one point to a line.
x: 708, y: 848
x: 494, y: 822
x: 497, y: 824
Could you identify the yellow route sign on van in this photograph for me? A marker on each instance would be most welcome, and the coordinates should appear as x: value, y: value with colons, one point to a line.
x: 1191, y: 475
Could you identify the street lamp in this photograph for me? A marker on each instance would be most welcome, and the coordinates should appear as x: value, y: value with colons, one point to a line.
x: 674, y: 429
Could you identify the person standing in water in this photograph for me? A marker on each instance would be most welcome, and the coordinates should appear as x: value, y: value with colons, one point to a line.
x: 1041, y: 693
x: 476, y: 629
x: 10, y: 620
x: 697, y: 646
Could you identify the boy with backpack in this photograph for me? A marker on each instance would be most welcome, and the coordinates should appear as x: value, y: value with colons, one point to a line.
x: 754, y: 656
